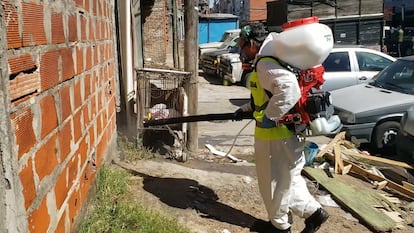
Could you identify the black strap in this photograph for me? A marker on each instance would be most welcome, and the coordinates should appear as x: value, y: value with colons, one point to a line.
x: 282, y: 63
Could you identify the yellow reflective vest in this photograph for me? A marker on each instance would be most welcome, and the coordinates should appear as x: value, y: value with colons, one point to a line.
x: 260, y: 100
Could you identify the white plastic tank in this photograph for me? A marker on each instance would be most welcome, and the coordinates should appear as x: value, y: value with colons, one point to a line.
x: 304, y: 43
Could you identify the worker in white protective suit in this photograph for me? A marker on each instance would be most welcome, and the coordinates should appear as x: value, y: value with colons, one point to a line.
x: 278, y: 150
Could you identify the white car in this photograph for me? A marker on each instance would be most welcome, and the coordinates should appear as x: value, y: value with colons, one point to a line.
x: 227, y: 36
x: 348, y: 66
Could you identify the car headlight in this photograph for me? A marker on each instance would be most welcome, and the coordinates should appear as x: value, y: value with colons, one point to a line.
x: 346, y: 117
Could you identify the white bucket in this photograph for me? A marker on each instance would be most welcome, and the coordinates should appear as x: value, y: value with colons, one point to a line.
x: 304, y: 43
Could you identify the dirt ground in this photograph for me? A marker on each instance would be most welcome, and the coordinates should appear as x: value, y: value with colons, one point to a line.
x: 212, y: 194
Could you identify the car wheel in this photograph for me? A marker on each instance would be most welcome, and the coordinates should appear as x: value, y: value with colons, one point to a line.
x: 246, y: 79
x: 385, y: 135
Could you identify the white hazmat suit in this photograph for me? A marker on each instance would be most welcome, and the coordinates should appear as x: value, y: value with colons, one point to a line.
x: 279, y: 162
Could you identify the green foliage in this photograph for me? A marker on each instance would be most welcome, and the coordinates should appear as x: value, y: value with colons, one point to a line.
x: 114, y: 210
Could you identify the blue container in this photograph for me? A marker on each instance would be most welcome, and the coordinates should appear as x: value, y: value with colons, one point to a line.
x: 310, y: 150
x: 212, y: 26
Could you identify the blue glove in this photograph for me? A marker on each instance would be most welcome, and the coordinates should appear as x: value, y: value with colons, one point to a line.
x: 267, y: 123
x: 238, y: 115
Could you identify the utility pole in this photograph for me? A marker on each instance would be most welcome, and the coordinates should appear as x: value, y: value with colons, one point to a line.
x: 191, y: 65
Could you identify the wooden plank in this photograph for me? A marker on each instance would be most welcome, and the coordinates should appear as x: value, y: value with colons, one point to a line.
x: 347, y: 144
x: 378, y: 159
x: 381, y: 185
x: 390, y: 184
x: 339, y: 165
x: 360, y: 202
x: 408, y: 186
x: 346, y: 169
x: 331, y: 144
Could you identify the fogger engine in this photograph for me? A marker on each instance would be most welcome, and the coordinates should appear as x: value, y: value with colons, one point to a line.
x: 314, y: 108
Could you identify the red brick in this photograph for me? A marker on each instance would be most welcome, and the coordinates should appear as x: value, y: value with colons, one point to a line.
x: 11, y: 19
x: 65, y: 105
x: 89, y: 58
x: 99, y: 126
x: 75, y: 202
x: 79, y: 60
x: 77, y: 126
x: 85, y: 111
x: 92, y: 136
x: 72, y: 170
x: 21, y: 63
x: 111, y: 106
x: 93, y: 107
x: 97, y: 8
x: 102, y: 29
x: 61, y: 189
x: 23, y: 85
x: 46, y: 158
x: 77, y: 94
x: 73, y: 28
x: 58, y: 35
x: 39, y: 219
x: 100, y: 99
x: 68, y: 67
x: 49, y: 116
x: 49, y: 69
x: 83, y: 26
x: 94, y: 78
x: 27, y: 180
x: 84, y: 147
x: 95, y: 55
x: 87, y: 5
x: 87, y: 85
x: 22, y: 121
x: 102, y: 145
x: 33, y: 28
x: 79, y: 3
x: 88, y: 175
x: 65, y: 139
x: 92, y: 31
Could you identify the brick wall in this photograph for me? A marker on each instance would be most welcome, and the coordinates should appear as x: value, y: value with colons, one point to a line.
x: 258, y: 10
x: 61, y: 68
x: 155, y: 31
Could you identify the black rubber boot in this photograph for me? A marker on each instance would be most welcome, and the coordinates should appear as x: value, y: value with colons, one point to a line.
x: 266, y: 227
x: 313, y: 223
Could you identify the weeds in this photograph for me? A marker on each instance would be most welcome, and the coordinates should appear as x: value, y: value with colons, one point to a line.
x: 132, y: 151
x: 114, y: 209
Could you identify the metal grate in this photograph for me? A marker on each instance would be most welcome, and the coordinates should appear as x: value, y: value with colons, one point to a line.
x: 161, y: 94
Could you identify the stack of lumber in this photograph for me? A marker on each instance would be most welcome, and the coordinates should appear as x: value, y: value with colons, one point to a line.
x: 370, y: 205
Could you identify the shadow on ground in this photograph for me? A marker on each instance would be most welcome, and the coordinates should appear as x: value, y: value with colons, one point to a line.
x: 187, y: 193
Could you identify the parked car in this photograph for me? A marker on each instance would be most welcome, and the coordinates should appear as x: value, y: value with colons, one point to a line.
x: 371, y: 112
x: 227, y: 36
x: 347, y: 66
x: 210, y: 60
x: 233, y: 71
x: 405, y: 140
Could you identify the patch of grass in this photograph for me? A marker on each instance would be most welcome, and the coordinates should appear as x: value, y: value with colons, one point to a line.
x: 132, y: 151
x: 114, y: 210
